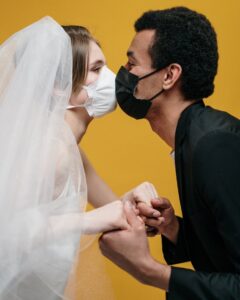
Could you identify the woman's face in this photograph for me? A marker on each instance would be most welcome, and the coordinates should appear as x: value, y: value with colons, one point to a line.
x: 96, y: 61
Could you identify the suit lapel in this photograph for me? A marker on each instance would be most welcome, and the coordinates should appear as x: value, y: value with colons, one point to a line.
x: 180, y: 145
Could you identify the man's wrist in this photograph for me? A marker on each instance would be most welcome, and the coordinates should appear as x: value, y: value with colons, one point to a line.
x: 171, y: 232
x: 156, y: 274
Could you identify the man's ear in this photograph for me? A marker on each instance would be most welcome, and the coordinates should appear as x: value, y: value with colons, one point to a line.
x: 172, y: 75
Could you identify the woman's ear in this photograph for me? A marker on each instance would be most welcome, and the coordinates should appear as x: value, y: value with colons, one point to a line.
x: 172, y: 75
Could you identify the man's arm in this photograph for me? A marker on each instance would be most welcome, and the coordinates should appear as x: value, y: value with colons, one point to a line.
x: 130, y: 251
x: 170, y: 227
x: 176, y: 252
x: 216, y: 167
x: 219, y: 158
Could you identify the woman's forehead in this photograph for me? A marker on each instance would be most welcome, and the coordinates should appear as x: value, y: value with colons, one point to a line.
x: 96, y: 55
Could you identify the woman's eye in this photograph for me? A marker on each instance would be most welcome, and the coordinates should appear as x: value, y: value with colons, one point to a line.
x: 96, y: 70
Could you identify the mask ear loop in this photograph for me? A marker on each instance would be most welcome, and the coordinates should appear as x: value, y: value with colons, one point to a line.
x: 149, y: 74
x: 156, y: 95
x: 88, y: 102
x: 145, y: 76
x: 153, y: 97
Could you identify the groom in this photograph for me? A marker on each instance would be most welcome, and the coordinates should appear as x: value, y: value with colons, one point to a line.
x: 172, y: 63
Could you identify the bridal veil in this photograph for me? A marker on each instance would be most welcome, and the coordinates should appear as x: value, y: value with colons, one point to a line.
x: 42, y: 181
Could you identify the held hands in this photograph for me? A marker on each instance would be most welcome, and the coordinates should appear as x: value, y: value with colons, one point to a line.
x: 105, y: 218
x: 141, y: 196
x: 111, y: 216
x: 166, y: 224
x: 144, y: 192
x: 156, y: 212
x: 129, y: 249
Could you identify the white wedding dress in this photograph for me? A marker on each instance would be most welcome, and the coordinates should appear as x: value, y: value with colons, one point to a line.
x: 42, y: 181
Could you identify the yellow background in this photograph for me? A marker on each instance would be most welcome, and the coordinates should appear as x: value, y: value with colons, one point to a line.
x: 126, y: 152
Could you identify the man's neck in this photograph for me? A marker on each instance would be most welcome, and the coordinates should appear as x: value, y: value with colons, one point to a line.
x: 164, y: 116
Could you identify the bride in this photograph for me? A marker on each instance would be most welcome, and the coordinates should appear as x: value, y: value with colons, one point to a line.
x: 46, y: 69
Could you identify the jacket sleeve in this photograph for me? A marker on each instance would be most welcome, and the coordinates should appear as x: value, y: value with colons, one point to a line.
x: 216, y: 169
x: 175, y: 253
x: 192, y: 285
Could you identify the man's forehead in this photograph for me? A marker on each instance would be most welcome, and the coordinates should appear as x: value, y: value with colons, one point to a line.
x: 141, y: 43
x: 146, y: 34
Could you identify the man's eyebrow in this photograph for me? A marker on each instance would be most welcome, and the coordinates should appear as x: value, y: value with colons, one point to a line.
x: 131, y: 54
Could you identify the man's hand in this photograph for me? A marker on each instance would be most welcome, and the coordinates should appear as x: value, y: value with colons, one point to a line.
x: 166, y: 224
x: 129, y: 249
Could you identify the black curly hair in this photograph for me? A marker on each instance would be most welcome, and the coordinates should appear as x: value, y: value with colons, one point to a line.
x: 185, y: 37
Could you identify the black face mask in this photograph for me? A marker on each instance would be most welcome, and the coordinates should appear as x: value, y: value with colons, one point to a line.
x: 126, y: 83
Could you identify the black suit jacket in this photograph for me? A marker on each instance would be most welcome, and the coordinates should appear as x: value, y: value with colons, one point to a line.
x: 207, y: 160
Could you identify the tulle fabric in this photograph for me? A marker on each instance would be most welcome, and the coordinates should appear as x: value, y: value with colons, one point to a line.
x: 42, y: 183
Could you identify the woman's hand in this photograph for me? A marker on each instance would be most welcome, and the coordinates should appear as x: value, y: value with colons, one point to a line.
x: 145, y: 192
x: 106, y: 218
x: 158, y: 218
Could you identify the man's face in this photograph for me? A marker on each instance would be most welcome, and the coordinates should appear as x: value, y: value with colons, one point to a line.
x: 140, y: 63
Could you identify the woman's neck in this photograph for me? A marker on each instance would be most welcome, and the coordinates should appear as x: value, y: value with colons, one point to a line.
x: 78, y: 120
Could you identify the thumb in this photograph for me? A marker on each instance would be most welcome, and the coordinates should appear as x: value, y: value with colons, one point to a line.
x: 131, y: 216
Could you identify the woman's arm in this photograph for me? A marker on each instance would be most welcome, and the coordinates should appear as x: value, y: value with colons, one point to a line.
x: 99, y: 193
x: 106, y: 218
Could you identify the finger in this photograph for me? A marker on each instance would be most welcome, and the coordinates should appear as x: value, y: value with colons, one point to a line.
x: 140, y: 219
x: 150, y: 194
x: 155, y: 222
x: 132, y: 218
x: 147, y: 211
x: 124, y: 225
x: 155, y: 194
x: 137, y: 212
x: 142, y: 196
x: 151, y: 191
x: 160, y: 203
x: 143, y: 193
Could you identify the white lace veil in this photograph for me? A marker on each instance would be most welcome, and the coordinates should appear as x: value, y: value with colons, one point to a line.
x: 42, y: 182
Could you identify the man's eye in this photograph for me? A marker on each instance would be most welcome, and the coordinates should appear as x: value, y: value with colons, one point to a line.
x: 130, y: 64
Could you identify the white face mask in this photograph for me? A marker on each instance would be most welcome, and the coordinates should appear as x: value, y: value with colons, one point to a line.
x: 101, y: 94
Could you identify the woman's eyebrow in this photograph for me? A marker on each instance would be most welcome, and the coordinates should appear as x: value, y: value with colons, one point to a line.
x: 98, y: 62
